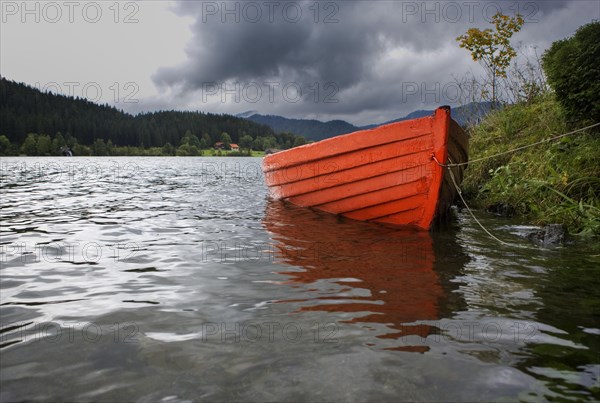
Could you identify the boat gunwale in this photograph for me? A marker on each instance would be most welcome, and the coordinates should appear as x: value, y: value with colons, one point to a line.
x: 336, y: 139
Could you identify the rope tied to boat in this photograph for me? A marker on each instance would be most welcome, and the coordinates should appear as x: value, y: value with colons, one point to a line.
x: 516, y: 149
x: 459, y: 191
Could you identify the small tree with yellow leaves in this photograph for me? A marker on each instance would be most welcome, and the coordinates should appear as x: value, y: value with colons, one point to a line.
x: 492, y: 48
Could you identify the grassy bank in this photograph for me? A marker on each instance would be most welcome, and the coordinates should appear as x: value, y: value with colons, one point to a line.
x: 555, y: 182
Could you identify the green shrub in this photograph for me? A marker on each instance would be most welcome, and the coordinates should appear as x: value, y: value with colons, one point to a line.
x: 573, y: 69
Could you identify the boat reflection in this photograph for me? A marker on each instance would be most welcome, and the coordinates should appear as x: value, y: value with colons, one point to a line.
x: 382, y: 275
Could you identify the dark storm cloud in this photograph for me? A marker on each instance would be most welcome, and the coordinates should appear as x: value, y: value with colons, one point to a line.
x: 348, y: 43
x: 265, y: 50
x: 342, y: 49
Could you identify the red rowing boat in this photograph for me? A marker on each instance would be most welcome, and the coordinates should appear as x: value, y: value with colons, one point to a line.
x: 389, y: 174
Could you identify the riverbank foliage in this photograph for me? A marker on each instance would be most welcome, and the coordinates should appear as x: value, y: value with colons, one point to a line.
x: 554, y: 182
x: 572, y: 66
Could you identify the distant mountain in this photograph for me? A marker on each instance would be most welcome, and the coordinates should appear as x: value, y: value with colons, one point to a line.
x: 465, y: 115
x: 316, y: 130
x: 310, y: 129
x: 471, y: 113
x: 246, y: 114
x: 413, y: 115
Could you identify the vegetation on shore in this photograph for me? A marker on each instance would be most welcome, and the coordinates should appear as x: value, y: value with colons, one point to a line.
x: 556, y: 181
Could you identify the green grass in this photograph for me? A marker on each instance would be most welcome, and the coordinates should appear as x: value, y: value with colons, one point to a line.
x: 555, y: 182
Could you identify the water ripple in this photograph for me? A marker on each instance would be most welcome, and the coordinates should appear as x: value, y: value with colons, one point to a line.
x: 175, y: 279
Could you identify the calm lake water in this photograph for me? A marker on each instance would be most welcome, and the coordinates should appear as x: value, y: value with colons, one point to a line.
x: 173, y: 279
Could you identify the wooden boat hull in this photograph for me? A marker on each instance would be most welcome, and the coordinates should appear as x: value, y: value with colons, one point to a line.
x: 386, y: 174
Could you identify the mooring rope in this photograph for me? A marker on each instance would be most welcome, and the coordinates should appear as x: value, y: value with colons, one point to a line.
x: 518, y: 148
x: 459, y: 191
x: 467, y: 206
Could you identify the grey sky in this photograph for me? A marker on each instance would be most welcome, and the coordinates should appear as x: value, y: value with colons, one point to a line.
x: 361, y: 61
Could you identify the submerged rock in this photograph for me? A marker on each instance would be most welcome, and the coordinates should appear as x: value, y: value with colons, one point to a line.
x: 549, y: 236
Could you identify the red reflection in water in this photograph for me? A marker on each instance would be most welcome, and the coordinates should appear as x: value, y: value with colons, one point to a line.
x: 395, y: 265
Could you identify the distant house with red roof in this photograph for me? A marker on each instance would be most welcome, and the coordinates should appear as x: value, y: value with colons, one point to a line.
x: 235, y: 147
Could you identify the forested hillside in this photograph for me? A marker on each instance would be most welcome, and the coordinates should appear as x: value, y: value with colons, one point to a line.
x: 25, y: 110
